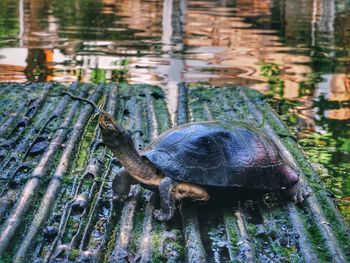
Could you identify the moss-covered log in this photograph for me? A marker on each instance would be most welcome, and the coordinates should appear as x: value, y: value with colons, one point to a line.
x: 56, y: 204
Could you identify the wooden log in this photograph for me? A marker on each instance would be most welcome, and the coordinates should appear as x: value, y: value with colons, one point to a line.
x: 22, y: 149
x: 34, y: 106
x: 144, y: 251
x: 6, y: 201
x: 319, y: 218
x: 13, y: 116
x: 246, y: 248
x: 96, y: 254
x: 195, y: 251
x: 121, y: 249
x: 41, y: 170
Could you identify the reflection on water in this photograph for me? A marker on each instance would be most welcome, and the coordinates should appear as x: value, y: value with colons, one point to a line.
x: 297, y: 51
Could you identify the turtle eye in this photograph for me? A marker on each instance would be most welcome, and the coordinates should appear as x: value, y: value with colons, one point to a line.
x: 181, y: 191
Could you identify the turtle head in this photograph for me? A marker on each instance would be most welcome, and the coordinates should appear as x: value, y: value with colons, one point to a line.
x: 114, y: 136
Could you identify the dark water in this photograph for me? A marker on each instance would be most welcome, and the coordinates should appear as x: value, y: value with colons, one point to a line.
x: 297, y: 52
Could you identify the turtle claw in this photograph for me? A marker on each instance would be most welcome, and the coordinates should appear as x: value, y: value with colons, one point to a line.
x: 301, y: 194
x: 297, y: 193
x: 160, y: 216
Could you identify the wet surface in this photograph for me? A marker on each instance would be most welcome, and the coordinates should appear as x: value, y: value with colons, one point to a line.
x: 295, y: 51
x: 56, y: 205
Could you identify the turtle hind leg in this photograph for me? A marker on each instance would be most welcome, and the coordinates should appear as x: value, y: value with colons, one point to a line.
x: 297, y: 193
x: 296, y: 190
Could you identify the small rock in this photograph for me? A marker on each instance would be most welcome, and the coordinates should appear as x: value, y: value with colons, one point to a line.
x: 61, y: 251
x: 261, y: 231
x: 170, y: 235
x: 39, y: 147
x: 86, y: 256
x: 50, y: 232
x: 121, y: 254
x: 283, y: 240
x: 79, y: 203
x: 97, y: 235
x: 222, y: 243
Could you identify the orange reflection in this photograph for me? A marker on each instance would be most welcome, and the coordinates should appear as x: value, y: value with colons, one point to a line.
x: 340, y: 88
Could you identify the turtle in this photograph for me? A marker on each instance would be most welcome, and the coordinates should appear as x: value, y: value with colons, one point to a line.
x: 190, y: 161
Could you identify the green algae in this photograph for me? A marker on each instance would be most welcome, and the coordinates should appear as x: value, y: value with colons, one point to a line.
x: 220, y: 110
x: 314, y: 182
x: 157, y: 244
x: 232, y: 236
x: 136, y: 231
x: 199, y: 96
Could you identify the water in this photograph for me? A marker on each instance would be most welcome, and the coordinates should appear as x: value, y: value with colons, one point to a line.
x: 297, y: 52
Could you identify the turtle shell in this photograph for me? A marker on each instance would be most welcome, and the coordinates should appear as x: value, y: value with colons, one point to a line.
x: 218, y: 154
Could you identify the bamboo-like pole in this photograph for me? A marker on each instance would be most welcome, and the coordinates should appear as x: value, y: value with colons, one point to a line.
x: 34, y: 106
x: 21, y: 151
x: 40, y: 171
x: 144, y: 251
x: 56, y: 181
x: 332, y: 244
x: 6, y: 201
x: 87, y: 231
x: 195, y: 251
x: 246, y: 247
x: 94, y: 168
x: 111, y: 108
x: 120, y: 251
x: 13, y: 116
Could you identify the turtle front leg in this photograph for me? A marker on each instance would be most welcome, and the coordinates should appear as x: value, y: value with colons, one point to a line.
x: 167, y: 200
x: 121, y: 185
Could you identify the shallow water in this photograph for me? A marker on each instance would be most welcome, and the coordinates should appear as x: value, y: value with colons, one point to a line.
x: 297, y: 52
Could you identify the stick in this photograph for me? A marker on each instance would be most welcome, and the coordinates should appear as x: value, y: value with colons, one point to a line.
x: 82, y: 99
